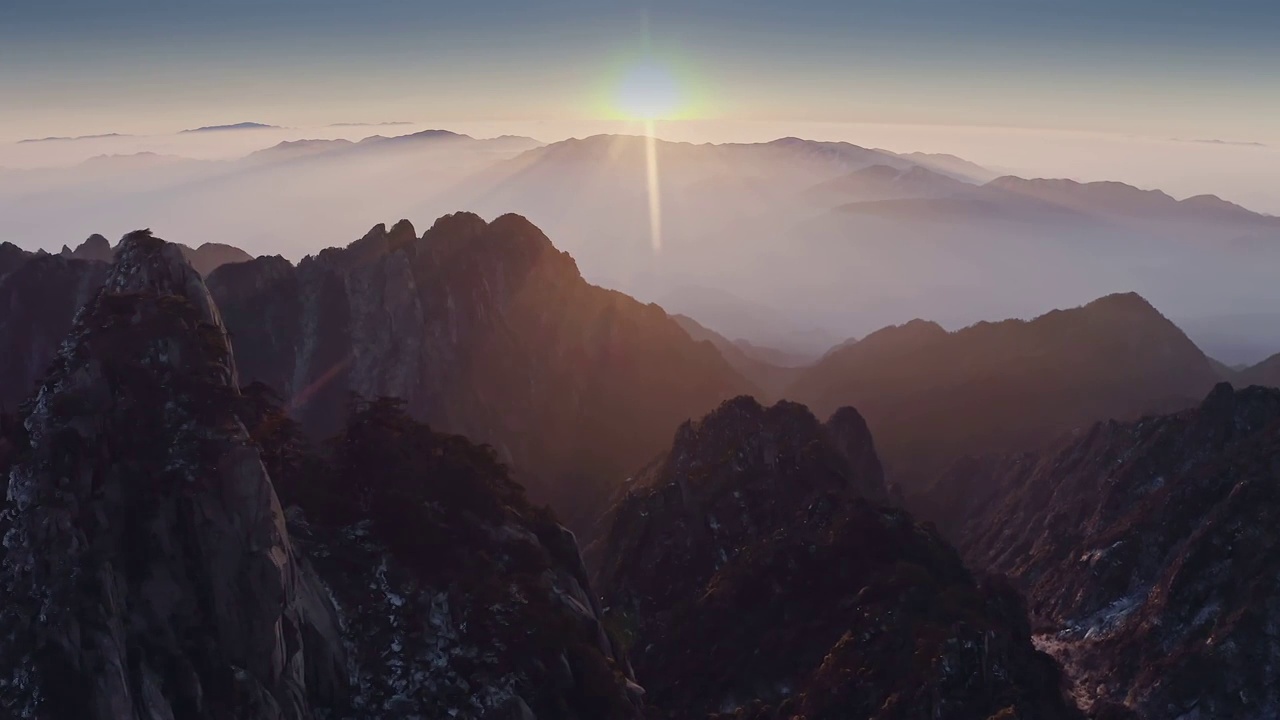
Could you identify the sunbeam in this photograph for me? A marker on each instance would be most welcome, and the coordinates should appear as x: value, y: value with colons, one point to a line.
x: 655, y: 198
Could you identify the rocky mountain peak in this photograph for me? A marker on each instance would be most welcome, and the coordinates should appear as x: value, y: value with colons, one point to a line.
x: 95, y: 247
x: 145, y: 264
x: 1130, y: 302
x: 456, y: 225
x: 752, y: 581
x: 401, y: 235
x: 150, y: 573
x: 742, y: 470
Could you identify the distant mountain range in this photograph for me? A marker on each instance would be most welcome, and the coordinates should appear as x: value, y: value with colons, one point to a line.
x: 931, y: 396
x: 831, y: 238
x: 235, y: 126
x: 68, y: 139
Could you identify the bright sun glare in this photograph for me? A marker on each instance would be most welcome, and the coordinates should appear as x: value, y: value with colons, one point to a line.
x: 649, y: 91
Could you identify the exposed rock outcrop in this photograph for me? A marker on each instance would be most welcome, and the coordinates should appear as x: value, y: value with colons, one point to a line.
x: 459, y: 599
x: 148, y: 570
x: 751, y: 579
x: 1149, y: 555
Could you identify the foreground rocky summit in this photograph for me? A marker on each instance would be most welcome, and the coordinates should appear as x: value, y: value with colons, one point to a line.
x: 1149, y: 554
x: 150, y: 572
x: 753, y: 576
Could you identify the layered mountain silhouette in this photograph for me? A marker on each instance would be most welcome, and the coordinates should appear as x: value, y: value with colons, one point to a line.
x: 769, y: 370
x: 233, y: 127
x: 1051, y: 199
x: 915, y: 235
x: 932, y: 396
x: 150, y: 571
x: 1147, y: 551
x: 1118, y: 199
x: 484, y: 329
x: 241, y: 494
x: 885, y: 182
x: 753, y: 574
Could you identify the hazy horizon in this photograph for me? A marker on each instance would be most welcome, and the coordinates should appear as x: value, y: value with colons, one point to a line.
x: 1157, y: 94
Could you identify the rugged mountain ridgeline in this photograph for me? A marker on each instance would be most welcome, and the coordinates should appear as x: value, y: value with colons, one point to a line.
x: 932, y: 396
x: 754, y: 574
x: 1148, y: 553
x: 484, y: 329
x: 150, y: 572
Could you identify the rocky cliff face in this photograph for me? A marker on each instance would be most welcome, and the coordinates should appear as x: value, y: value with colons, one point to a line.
x: 150, y: 572
x: 932, y: 397
x: 1149, y: 555
x: 484, y: 329
x: 459, y: 599
x: 752, y: 579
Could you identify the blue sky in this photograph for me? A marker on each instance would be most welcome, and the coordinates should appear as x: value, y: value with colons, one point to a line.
x: 1186, y: 69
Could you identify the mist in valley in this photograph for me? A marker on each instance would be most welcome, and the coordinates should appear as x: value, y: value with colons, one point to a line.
x: 788, y: 243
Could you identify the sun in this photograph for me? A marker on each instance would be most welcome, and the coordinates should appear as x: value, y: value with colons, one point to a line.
x: 648, y: 91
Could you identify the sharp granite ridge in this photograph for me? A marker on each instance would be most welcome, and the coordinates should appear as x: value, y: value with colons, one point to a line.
x: 1148, y: 553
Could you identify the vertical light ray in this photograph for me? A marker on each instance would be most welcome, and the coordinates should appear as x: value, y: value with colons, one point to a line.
x: 655, y: 199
